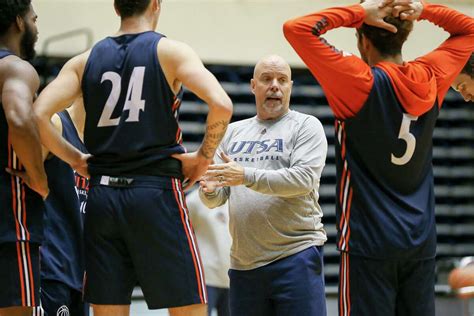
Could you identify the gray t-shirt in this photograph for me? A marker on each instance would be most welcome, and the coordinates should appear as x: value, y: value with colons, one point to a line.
x: 275, y: 213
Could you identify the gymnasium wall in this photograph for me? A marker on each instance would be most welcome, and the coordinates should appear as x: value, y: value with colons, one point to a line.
x: 221, y: 31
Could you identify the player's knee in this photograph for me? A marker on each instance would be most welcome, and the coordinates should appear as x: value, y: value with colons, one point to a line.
x: 111, y: 310
x: 189, y: 310
x: 16, y: 311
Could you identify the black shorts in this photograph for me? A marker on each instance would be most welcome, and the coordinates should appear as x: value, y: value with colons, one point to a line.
x: 19, y: 274
x: 137, y: 231
x: 386, y: 287
x: 21, y: 212
x: 58, y: 298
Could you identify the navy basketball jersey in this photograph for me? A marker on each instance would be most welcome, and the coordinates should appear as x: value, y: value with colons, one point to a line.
x: 21, y: 209
x: 385, y: 190
x: 62, y: 249
x: 131, y: 113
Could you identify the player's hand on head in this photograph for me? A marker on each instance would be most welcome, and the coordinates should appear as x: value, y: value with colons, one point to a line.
x: 376, y: 11
x: 407, y: 9
x: 40, y: 187
x: 193, y: 166
x: 404, y: 9
x: 385, y: 3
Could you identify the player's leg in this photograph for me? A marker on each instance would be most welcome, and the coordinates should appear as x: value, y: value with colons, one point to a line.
x: 218, y: 299
x: 110, y: 275
x: 58, y: 298
x: 55, y: 297
x: 297, y: 283
x: 416, y: 296
x: 367, y: 286
x: 16, y: 311
x: 163, y: 247
x: 19, y: 278
x: 189, y: 310
x: 111, y: 310
x: 78, y: 306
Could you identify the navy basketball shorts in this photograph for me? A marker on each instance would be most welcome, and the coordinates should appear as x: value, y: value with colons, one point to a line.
x: 290, y: 286
x: 19, y: 274
x: 137, y: 232
x: 386, y: 287
x: 58, y: 298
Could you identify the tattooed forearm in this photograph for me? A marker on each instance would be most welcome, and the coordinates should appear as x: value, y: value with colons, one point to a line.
x: 214, y: 134
x: 217, y: 125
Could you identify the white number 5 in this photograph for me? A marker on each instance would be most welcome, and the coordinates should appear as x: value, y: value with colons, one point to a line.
x: 408, y: 138
x: 133, y: 101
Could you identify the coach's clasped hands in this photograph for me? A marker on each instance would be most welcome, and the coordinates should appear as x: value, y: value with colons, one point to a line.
x: 224, y: 174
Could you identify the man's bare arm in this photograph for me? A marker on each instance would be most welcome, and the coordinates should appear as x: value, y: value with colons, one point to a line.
x: 19, y: 88
x: 57, y: 96
x: 56, y: 120
x: 182, y: 65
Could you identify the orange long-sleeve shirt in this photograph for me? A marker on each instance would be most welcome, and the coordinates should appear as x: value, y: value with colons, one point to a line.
x: 347, y: 80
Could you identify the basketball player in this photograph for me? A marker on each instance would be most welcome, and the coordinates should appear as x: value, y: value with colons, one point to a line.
x: 62, y: 258
x: 137, y: 227
x: 385, y: 111
x: 464, y: 82
x: 21, y: 210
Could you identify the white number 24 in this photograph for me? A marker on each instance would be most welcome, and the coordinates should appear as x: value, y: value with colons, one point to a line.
x: 133, y: 101
x: 408, y: 137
